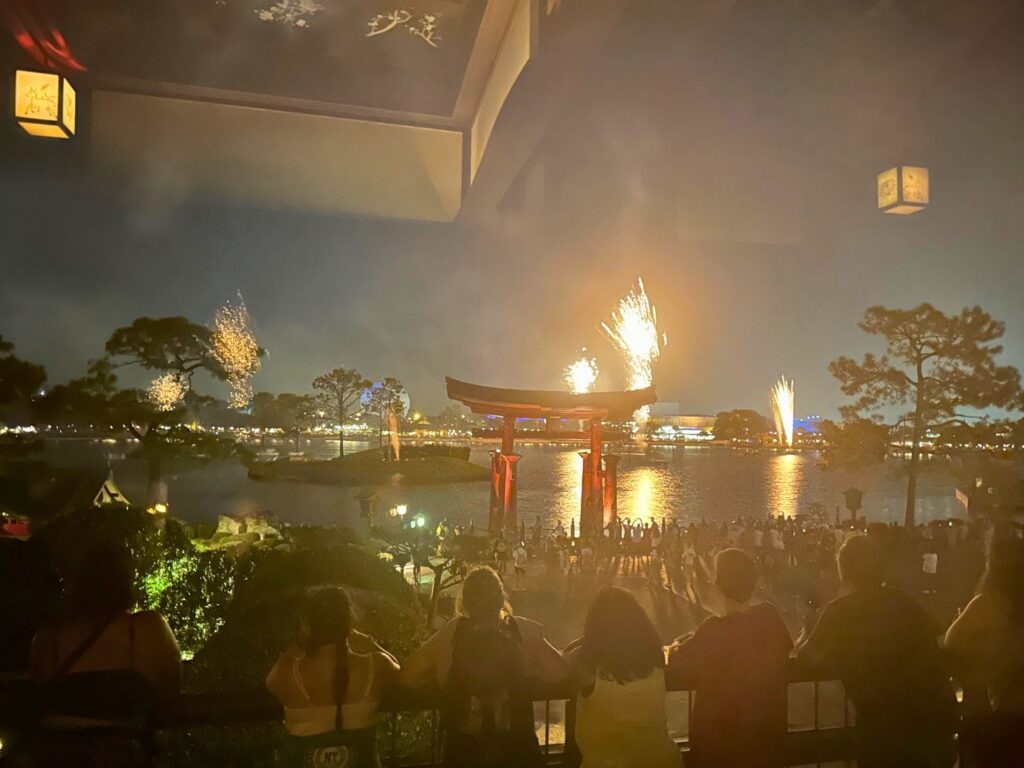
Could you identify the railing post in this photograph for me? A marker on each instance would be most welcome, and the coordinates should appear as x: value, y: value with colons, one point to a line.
x: 571, y: 754
x: 547, y: 726
x: 394, y: 735
x: 439, y: 737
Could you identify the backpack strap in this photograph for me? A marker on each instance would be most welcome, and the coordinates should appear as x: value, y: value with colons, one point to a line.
x: 341, y: 673
x: 83, y: 647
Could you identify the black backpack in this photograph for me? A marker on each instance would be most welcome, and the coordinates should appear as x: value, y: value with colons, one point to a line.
x: 487, y: 711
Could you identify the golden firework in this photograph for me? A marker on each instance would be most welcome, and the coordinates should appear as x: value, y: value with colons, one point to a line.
x: 633, y: 331
x: 166, y: 392
x: 581, y: 375
x: 234, y: 346
x: 784, y: 410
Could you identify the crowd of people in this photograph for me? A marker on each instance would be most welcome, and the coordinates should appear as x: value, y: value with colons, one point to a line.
x: 794, y: 556
x: 107, y: 669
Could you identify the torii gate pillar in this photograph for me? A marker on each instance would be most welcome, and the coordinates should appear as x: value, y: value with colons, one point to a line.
x: 592, y: 493
x: 611, y: 489
x: 502, y: 515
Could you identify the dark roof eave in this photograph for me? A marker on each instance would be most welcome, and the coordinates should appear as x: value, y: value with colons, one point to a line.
x: 537, y: 403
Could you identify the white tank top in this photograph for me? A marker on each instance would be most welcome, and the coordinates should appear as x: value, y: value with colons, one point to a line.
x: 322, y: 718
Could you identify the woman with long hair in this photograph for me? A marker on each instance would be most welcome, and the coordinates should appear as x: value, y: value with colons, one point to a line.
x: 330, y: 684
x: 619, y: 667
x: 484, y: 661
x: 988, y: 639
x: 106, y: 671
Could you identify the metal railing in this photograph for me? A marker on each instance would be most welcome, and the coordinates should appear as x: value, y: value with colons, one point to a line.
x: 821, y: 728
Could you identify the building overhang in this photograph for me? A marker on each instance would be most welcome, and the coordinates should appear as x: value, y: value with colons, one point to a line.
x: 335, y: 106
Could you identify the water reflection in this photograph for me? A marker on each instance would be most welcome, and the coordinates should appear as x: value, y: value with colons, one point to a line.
x: 785, y: 474
x: 569, y: 479
x: 645, y: 496
x: 688, y: 484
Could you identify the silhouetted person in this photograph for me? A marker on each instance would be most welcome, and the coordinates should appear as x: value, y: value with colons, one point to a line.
x: 483, y: 662
x: 883, y: 646
x: 106, y: 672
x: 736, y: 663
x: 619, y: 667
x: 988, y: 641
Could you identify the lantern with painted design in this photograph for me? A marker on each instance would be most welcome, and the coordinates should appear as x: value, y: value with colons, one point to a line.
x: 44, y: 104
x: 903, y: 190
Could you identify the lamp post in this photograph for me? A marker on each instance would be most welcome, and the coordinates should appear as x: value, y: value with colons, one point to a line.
x: 853, y: 498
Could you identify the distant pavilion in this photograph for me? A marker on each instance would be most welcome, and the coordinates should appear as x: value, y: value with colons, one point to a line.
x: 598, y: 496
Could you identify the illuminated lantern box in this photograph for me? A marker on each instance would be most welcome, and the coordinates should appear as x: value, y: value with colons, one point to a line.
x: 44, y: 104
x: 903, y: 190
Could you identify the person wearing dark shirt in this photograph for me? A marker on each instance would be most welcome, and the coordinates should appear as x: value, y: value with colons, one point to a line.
x: 736, y: 663
x: 884, y: 648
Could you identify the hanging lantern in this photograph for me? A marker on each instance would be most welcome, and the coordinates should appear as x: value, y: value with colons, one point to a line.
x: 44, y: 104
x: 903, y: 190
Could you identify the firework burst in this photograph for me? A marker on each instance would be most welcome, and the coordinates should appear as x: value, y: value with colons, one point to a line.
x: 581, y: 375
x: 633, y: 331
x: 783, y: 409
x: 166, y: 392
x: 234, y: 346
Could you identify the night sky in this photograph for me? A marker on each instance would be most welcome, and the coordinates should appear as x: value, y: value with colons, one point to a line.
x: 727, y: 157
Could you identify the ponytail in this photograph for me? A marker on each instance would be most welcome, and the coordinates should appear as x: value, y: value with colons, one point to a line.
x: 329, y: 622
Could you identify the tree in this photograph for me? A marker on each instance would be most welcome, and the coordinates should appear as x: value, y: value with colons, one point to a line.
x: 173, y: 346
x: 385, y: 397
x: 454, y: 416
x: 82, y: 402
x: 19, y: 379
x: 95, y: 401
x: 287, y: 411
x: 340, y: 391
x: 855, y: 443
x: 740, y: 424
x: 263, y: 413
x: 167, y: 344
x: 295, y: 412
x: 988, y: 436
x: 936, y: 368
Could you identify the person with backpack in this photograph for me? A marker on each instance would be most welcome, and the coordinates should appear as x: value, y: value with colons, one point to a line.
x: 485, y: 661
x: 330, y: 685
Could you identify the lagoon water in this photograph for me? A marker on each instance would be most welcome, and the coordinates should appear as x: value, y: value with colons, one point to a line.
x: 687, y: 483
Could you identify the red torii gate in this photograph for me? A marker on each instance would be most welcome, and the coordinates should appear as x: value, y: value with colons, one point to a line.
x: 598, y: 497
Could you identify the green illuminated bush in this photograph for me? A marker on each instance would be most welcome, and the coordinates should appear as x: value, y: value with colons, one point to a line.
x: 193, y: 591
x: 191, y: 588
